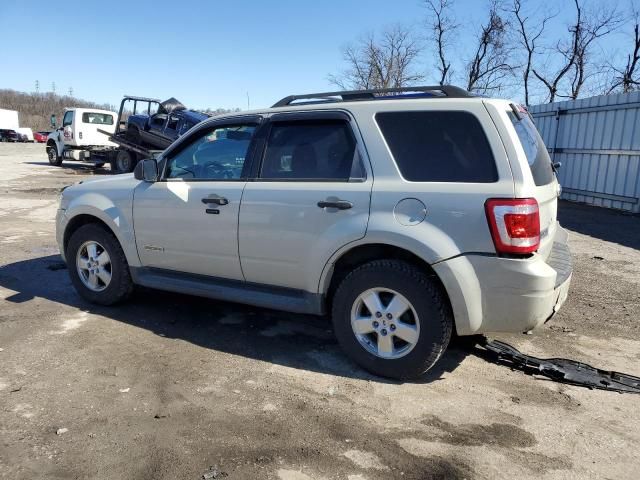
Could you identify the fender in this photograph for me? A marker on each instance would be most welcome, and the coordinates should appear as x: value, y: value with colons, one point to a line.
x: 116, y: 215
x: 440, y: 246
x: 457, y: 275
x: 55, y: 139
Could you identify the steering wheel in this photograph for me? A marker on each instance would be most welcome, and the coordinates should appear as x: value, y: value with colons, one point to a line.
x: 217, y: 169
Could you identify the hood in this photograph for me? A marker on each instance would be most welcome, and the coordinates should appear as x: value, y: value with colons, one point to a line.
x: 170, y: 105
x: 111, y: 180
x: 102, y: 192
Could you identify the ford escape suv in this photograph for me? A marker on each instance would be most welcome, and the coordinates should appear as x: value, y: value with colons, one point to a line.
x: 405, y: 214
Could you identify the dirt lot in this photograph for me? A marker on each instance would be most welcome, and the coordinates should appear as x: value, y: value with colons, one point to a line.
x: 167, y: 386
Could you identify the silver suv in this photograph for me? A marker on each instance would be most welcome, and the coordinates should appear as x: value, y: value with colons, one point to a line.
x: 406, y: 214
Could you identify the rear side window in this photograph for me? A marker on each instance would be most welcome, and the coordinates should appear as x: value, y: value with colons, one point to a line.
x: 97, y: 118
x: 311, y: 150
x: 438, y: 146
x: 534, y: 148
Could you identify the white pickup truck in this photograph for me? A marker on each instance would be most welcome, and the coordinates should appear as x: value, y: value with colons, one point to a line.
x: 79, y: 138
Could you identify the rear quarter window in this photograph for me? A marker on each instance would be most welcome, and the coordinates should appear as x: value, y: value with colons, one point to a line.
x: 437, y: 146
x: 534, y: 148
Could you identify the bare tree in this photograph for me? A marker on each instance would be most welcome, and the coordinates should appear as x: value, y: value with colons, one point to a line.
x: 586, y: 29
x: 589, y: 27
x: 528, y: 38
x: 442, y: 28
x: 488, y: 69
x: 627, y: 78
x: 387, y: 62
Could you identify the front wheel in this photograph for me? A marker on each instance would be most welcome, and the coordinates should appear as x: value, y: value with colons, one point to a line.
x: 392, y: 319
x: 97, y: 265
x: 52, y: 155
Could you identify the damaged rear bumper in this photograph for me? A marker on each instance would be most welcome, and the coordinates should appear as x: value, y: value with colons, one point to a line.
x: 501, y: 294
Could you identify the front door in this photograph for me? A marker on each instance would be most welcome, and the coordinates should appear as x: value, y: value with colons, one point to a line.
x: 310, y: 198
x: 67, y: 127
x: 188, y: 221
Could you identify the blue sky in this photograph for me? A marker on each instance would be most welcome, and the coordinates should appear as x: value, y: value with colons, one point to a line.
x: 209, y: 53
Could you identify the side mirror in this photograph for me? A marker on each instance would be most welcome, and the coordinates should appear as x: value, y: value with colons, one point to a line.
x: 146, y: 170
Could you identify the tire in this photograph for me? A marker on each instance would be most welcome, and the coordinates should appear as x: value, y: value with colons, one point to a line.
x: 119, y: 286
x: 124, y: 162
x: 52, y: 154
x: 428, y: 321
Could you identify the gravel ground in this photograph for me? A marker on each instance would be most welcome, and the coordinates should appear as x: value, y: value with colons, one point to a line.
x: 171, y: 386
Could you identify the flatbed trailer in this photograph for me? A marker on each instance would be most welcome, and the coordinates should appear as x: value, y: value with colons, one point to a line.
x: 126, y: 155
x: 124, y: 158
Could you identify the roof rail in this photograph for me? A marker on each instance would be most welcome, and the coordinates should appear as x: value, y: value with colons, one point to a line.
x: 448, y: 91
x: 143, y: 99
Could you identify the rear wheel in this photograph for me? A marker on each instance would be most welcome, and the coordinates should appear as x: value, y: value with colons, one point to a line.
x: 392, y: 319
x: 124, y: 162
x: 97, y: 265
x: 52, y: 155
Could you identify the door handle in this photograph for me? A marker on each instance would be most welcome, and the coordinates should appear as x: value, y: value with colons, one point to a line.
x: 339, y: 204
x: 215, y: 199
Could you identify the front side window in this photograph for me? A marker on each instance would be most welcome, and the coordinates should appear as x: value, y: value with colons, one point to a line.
x: 67, y: 119
x: 438, y: 146
x: 310, y: 150
x: 217, y: 154
x: 97, y: 118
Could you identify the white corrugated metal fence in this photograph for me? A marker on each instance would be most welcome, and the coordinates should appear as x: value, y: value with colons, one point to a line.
x: 597, y: 140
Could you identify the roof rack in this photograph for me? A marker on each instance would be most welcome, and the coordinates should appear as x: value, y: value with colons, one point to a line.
x: 448, y: 91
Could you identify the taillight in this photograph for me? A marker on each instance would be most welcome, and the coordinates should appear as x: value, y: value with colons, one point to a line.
x: 514, y: 224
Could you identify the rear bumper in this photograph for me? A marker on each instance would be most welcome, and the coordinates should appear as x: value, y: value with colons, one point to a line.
x: 495, y: 294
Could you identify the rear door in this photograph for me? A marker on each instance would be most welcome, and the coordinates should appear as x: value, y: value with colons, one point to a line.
x: 311, y: 197
x: 155, y: 133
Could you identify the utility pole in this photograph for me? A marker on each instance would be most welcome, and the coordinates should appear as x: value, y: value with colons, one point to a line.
x: 53, y: 87
x: 71, y: 91
x: 37, y: 86
x: 248, y: 102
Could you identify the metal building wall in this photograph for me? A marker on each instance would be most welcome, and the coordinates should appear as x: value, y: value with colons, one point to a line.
x: 597, y: 140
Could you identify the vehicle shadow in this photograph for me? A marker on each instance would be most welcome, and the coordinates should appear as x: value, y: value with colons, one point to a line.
x: 298, y: 341
x: 603, y: 223
x: 78, y: 167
